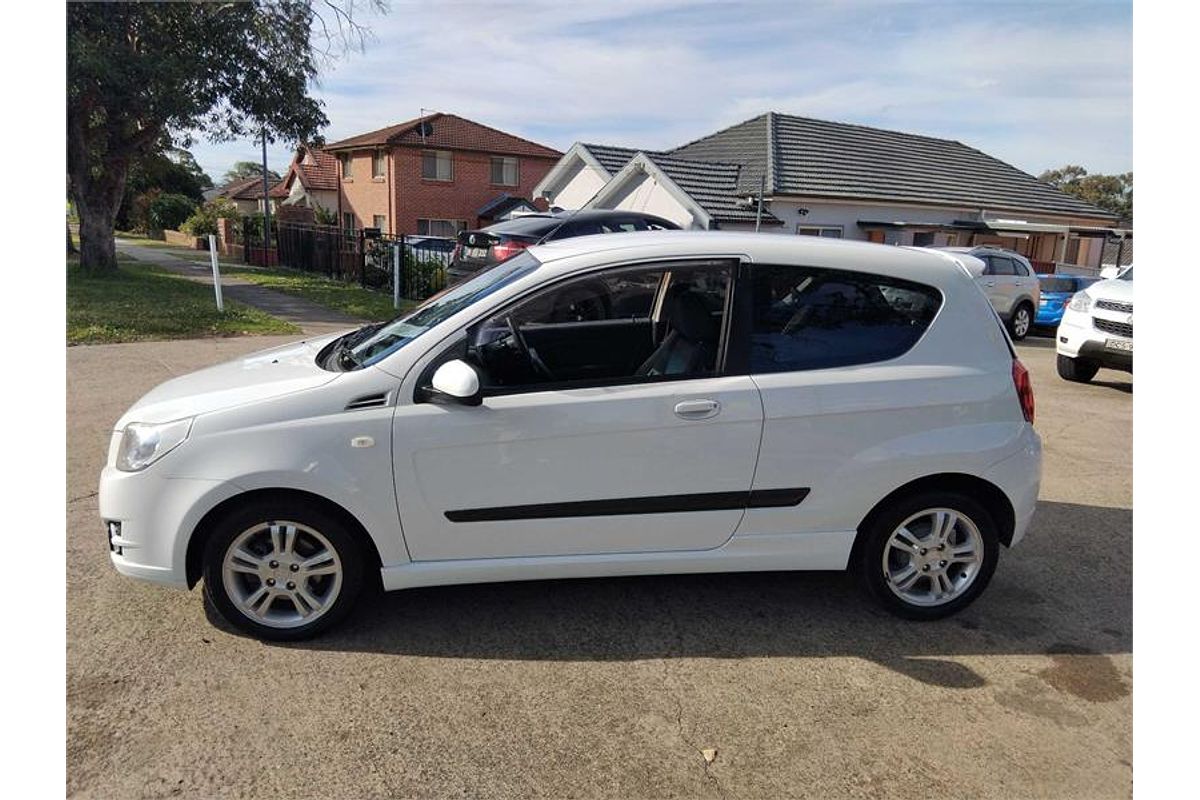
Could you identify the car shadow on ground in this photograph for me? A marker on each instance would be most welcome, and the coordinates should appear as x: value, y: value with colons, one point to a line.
x: 1066, y: 591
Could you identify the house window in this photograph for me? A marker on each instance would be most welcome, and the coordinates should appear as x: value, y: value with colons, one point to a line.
x: 504, y: 171
x: 828, y: 231
x: 348, y: 220
x: 379, y: 221
x: 347, y: 165
x: 378, y: 164
x: 448, y: 228
x: 923, y: 238
x: 436, y: 165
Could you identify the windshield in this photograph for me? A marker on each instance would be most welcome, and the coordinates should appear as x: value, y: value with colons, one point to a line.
x: 403, y: 329
x: 1127, y: 275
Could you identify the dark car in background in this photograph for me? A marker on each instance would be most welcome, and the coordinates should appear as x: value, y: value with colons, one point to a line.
x: 482, y: 248
x: 1057, y: 291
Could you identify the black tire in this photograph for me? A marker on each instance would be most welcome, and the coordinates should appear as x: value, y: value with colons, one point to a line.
x: 1022, y: 309
x: 1077, y: 370
x: 876, y: 532
x: 262, y: 513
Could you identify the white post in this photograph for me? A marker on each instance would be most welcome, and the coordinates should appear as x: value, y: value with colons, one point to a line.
x: 396, y: 273
x: 212, y: 251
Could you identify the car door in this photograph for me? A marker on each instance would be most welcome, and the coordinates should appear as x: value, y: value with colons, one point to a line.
x: 631, y: 462
x: 999, y: 282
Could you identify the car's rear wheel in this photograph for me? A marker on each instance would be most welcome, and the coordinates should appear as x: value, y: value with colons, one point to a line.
x: 282, y: 571
x: 928, y: 556
x: 1079, y: 370
x: 1021, y: 322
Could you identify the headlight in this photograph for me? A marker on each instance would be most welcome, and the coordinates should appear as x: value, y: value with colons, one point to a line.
x: 1081, y: 301
x: 142, y: 444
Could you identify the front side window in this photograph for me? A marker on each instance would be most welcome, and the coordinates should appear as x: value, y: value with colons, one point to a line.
x: 807, y: 318
x: 504, y: 171
x: 379, y: 221
x: 436, y: 165
x: 378, y: 164
x: 347, y: 165
x: 624, y: 326
x: 348, y: 220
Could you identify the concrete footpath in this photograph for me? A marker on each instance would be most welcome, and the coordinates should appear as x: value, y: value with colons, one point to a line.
x: 312, y: 319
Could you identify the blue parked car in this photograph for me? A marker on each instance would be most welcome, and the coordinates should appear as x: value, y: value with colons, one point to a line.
x: 1056, y: 293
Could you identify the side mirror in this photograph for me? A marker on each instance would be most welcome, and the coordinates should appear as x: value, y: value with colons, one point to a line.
x: 455, y: 382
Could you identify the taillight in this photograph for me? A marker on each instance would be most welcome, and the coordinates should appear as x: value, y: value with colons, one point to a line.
x: 503, y: 250
x: 1024, y: 389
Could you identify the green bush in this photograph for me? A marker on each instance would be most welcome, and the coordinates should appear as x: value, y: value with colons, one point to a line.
x: 323, y: 215
x: 168, y: 211
x: 203, y: 221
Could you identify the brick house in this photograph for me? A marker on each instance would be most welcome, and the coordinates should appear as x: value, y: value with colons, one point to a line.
x: 310, y: 182
x: 434, y: 175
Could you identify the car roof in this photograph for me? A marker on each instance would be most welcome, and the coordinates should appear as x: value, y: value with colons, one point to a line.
x: 914, y: 263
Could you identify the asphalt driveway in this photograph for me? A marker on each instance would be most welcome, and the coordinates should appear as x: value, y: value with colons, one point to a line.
x: 619, y: 687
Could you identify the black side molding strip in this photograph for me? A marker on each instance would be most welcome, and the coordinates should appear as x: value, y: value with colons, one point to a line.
x: 661, y: 504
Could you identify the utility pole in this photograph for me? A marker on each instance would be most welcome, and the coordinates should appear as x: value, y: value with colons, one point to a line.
x: 266, y: 203
x: 762, y: 188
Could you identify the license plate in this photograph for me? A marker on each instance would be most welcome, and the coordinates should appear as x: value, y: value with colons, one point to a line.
x: 1125, y: 345
x: 477, y: 252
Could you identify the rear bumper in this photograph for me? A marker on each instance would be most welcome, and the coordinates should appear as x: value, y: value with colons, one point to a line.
x: 1020, y: 477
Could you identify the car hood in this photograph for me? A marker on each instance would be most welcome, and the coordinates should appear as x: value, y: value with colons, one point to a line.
x: 1112, y: 290
x: 258, y: 376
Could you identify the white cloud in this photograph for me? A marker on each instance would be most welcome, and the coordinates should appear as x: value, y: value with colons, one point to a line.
x: 1036, y: 85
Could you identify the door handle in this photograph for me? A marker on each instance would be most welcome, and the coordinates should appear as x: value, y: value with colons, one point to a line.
x: 697, y: 409
x: 989, y: 283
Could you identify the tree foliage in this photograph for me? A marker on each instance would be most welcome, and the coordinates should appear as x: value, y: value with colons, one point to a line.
x: 248, y: 169
x: 139, y: 73
x: 169, y: 170
x: 204, y: 220
x: 1111, y: 192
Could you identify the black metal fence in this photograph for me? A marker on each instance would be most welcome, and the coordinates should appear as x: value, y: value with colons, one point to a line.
x: 365, y: 256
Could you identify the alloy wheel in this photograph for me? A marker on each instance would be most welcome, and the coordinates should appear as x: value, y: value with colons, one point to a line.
x: 933, y: 557
x: 282, y: 574
x: 1021, y: 322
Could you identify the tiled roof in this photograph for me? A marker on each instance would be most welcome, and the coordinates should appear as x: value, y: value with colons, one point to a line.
x: 612, y: 158
x: 808, y: 157
x: 322, y: 174
x: 449, y: 132
x: 715, y: 187
x: 251, y: 189
x: 235, y: 188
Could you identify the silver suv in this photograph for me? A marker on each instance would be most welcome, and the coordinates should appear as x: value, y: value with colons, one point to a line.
x: 1010, y: 283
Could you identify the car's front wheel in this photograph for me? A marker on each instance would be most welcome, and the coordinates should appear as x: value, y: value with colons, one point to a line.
x: 928, y: 556
x: 1021, y: 322
x: 1077, y: 370
x: 282, y: 571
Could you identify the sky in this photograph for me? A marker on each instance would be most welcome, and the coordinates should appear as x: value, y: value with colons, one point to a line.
x: 1038, y: 85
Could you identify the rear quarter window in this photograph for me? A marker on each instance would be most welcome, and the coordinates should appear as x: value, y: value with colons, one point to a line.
x: 806, y: 318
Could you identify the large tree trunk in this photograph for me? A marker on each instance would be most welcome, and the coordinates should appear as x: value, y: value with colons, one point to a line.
x: 97, y: 199
x: 70, y: 243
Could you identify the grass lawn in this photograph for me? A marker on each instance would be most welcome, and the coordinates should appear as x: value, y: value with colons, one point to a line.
x: 145, y: 302
x: 344, y: 297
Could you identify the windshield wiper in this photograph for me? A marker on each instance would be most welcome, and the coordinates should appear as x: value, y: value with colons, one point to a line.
x: 346, y: 357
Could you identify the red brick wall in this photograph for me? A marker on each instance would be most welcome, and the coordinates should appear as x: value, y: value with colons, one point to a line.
x: 460, y: 198
x: 416, y: 198
x: 362, y: 194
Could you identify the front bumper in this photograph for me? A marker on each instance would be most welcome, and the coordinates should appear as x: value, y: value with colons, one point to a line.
x: 1077, y: 337
x: 155, y: 516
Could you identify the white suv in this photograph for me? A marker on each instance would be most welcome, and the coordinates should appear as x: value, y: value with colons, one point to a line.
x: 614, y: 405
x: 1097, y: 330
x: 1009, y: 281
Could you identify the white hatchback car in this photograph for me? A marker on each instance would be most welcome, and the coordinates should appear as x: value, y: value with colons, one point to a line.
x: 615, y: 405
